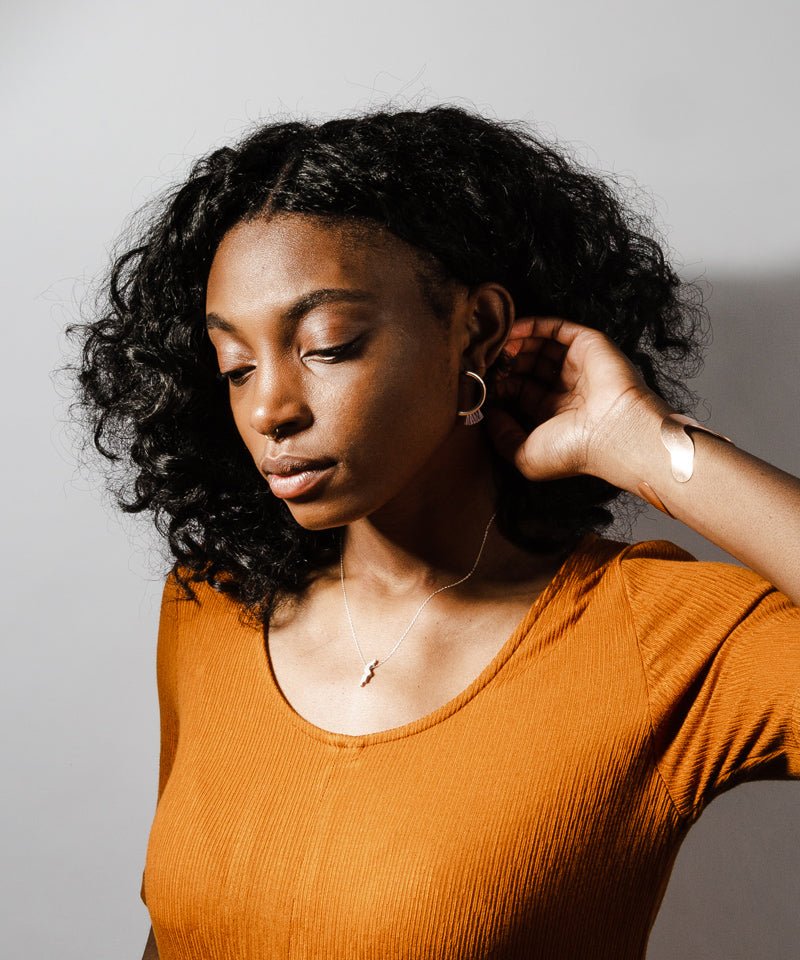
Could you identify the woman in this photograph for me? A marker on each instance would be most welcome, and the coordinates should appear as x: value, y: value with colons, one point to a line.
x: 378, y: 380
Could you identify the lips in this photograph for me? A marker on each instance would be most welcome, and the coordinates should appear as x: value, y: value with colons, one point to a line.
x: 286, y: 466
x: 291, y: 476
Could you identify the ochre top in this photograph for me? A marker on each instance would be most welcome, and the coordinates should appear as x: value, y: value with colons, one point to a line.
x: 537, y: 814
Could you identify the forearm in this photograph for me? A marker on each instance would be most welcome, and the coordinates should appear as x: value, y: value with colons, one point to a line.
x: 150, y: 948
x: 746, y: 506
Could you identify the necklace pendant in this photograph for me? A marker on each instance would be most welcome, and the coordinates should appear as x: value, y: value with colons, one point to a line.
x: 369, y: 670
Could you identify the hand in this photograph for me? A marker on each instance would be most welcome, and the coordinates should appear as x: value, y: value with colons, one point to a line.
x: 580, y: 391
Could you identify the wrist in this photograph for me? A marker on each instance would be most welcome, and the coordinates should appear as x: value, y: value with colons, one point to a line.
x: 629, y: 449
x: 651, y: 454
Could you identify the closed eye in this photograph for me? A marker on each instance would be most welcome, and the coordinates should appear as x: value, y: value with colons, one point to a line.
x: 239, y: 375
x: 332, y: 354
x: 235, y: 377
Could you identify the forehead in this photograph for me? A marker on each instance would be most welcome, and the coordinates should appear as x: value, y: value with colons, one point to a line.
x: 272, y: 260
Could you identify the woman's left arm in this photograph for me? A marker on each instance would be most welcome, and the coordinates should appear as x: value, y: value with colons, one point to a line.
x: 595, y: 415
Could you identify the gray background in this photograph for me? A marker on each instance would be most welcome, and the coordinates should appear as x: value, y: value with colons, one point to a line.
x: 105, y: 103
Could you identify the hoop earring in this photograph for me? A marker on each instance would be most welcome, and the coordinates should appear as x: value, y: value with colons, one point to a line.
x: 474, y: 415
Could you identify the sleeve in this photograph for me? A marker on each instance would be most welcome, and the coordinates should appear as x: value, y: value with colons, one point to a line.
x: 720, y: 649
x: 167, y: 684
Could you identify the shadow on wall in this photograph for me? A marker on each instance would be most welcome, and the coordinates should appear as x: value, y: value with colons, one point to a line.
x: 735, y: 887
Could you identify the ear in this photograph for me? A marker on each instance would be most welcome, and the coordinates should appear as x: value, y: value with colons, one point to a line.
x: 488, y: 315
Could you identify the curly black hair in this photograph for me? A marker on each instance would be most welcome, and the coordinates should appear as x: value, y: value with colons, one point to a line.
x: 478, y: 199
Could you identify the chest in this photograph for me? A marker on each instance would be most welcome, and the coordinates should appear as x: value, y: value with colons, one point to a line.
x: 522, y: 820
x: 322, y: 673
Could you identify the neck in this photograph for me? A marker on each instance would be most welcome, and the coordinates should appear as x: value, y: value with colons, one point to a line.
x: 431, y: 533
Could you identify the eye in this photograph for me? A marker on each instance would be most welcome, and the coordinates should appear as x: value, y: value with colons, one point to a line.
x: 235, y: 377
x: 331, y: 354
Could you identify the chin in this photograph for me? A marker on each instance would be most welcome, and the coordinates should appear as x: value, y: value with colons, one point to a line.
x: 317, y: 515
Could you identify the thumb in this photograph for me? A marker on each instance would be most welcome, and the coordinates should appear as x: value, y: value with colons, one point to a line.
x: 539, y: 454
x: 506, y: 433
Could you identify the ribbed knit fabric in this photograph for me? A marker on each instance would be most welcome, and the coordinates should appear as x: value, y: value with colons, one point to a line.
x: 536, y: 815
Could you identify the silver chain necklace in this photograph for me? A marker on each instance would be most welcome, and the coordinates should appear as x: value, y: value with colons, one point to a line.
x: 369, y: 668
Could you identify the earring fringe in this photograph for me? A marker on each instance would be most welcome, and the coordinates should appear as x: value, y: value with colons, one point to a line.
x: 474, y: 416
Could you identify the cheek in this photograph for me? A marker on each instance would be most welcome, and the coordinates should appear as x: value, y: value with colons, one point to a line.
x: 393, y: 421
x: 380, y: 422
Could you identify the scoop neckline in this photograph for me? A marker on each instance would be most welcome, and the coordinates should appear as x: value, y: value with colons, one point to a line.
x: 355, y: 740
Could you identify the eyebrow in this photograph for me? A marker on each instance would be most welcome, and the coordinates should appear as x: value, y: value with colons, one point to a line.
x: 303, y: 305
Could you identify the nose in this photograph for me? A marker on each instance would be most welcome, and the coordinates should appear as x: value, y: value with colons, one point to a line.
x: 278, y: 405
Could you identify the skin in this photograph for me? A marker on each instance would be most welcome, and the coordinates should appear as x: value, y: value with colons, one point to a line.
x: 596, y: 416
x: 150, y: 947
x: 412, y: 485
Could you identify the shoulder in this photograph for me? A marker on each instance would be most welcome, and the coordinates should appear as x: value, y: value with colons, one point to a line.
x: 656, y: 569
x: 192, y: 629
x: 187, y: 599
x: 671, y: 593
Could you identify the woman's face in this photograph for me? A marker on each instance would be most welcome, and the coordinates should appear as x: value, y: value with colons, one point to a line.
x: 328, y: 340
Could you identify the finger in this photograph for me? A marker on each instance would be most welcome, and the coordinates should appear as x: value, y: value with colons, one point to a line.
x: 524, y: 354
x: 534, y: 399
x: 547, y: 366
x: 533, y: 364
x: 506, y: 433
x: 526, y: 326
x: 554, y: 365
x: 551, y: 373
x: 523, y: 345
x: 557, y: 328
x: 512, y: 442
x: 525, y: 392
